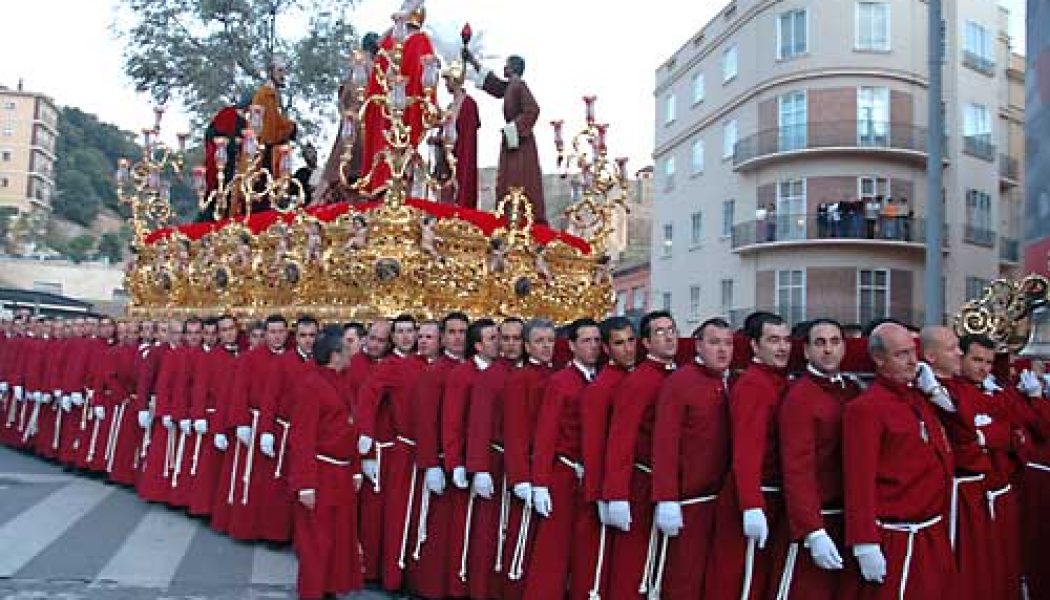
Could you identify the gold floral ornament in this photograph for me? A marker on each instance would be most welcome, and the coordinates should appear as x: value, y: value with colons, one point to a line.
x: 1003, y: 309
x: 145, y: 185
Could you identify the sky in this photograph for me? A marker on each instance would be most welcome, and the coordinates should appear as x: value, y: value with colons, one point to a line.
x: 572, y: 48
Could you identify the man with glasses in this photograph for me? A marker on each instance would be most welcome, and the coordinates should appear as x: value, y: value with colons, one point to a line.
x: 628, y: 463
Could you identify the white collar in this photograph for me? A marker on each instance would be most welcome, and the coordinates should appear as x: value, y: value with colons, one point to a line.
x: 481, y: 362
x: 836, y: 378
x: 588, y: 373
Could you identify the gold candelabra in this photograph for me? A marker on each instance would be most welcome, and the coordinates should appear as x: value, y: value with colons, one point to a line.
x: 598, y: 184
x: 145, y: 185
x: 391, y: 97
x: 1010, y: 313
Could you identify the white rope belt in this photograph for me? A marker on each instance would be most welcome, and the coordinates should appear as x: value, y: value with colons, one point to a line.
x: 993, y: 495
x: 285, y: 425
x: 656, y: 580
x: 953, y: 506
x: 504, y: 518
x: 576, y: 467
x: 408, y: 511
x: 379, y: 463
x: 332, y: 461
x: 1039, y: 467
x: 496, y: 447
x: 644, y: 468
x: 911, y: 529
x: 406, y: 441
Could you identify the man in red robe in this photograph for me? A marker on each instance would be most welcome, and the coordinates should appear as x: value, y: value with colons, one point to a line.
x: 628, y: 461
x: 427, y: 571
x: 590, y: 567
x: 103, y: 403
x: 756, y: 500
x: 557, y: 470
x: 810, y: 426
x: 691, y: 460
x: 415, y: 46
x: 482, y: 347
x: 122, y: 461
x: 462, y: 132
x: 898, y: 472
x: 519, y: 161
x: 154, y: 484
x: 190, y: 363
x: 321, y: 474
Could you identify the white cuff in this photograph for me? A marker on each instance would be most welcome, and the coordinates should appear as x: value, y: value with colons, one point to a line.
x: 483, y: 74
x: 862, y: 549
x: 510, y: 134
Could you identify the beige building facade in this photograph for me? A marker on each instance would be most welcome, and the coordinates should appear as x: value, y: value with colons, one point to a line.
x: 28, y: 136
x: 785, y: 127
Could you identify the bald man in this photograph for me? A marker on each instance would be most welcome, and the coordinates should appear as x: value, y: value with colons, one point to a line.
x: 898, y: 471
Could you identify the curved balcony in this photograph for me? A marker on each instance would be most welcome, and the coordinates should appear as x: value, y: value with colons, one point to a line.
x: 899, y: 141
x: 783, y: 231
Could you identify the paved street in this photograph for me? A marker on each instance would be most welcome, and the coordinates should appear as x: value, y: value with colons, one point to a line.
x: 73, y: 537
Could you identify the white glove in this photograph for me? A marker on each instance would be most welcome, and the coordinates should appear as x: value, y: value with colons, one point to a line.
x: 37, y: 397
x: 100, y: 413
x: 370, y: 468
x: 266, y: 442
x: 459, y: 478
x: 989, y: 384
x: 872, y: 562
x: 981, y: 420
x: 669, y: 518
x: 3, y: 387
x: 364, y: 445
x: 603, y: 512
x: 755, y: 526
x: 77, y: 398
x: 244, y: 434
x: 185, y: 425
x: 19, y: 393
x: 66, y: 403
x: 435, y: 479
x: 45, y: 398
x: 221, y: 443
x: 167, y: 422
x: 56, y: 393
x: 1030, y: 385
x: 523, y: 491
x: 925, y: 380
x: 541, y: 501
x: 510, y: 134
x: 483, y: 485
x: 822, y: 548
x: 201, y: 426
x: 145, y: 419
x: 1046, y: 381
x: 620, y: 514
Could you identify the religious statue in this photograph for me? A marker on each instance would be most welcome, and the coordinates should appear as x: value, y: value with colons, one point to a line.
x: 461, y: 131
x: 428, y: 237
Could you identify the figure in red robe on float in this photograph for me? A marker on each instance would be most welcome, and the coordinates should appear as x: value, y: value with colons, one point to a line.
x: 461, y: 131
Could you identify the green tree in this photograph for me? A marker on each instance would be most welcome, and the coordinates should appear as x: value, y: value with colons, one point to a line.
x: 204, y: 53
x: 79, y: 247
x: 111, y: 246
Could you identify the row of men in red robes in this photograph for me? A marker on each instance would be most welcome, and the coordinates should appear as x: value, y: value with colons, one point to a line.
x: 488, y: 473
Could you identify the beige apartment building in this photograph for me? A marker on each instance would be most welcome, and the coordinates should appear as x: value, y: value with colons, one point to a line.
x: 784, y: 128
x: 28, y: 132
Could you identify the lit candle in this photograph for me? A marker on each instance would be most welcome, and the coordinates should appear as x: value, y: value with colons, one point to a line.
x: 153, y: 180
x: 198, y: 179
x: 284, y: 160
x: 359, y: 69
x: 430, y: 71
x: 249, y: 143
x: 182, y: 137
x: 220, y: 152
x: 400, y: 30
x: 158, y: 114
x: 588, y: 102
x: 255, y: 116
x: 122, y: 171
x: 147, y: 135
x: 601, y: 129
x: 559, y: 142
x: 621, y: 167
x: 349, y: 131
x: 398, y: 93
x: 574, y: 189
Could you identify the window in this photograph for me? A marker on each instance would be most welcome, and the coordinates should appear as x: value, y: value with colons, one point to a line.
x: 9, y: 105
x: 791, y: 294
x: 638, y: 298
x: 726, y: 300
x: 873, y: 116
x: 621, y: 302
x: 975, y: 287
x: 873, y: 293
x: 792, y: 118
x: 4, y: 181
x: 789, y: 221
x: 873, y: 26
x: 870, y: 187
x: 7, y: 130
x: 977, y: 131
x: 728, y: 208
x: 978, y: 227
x: 696, y: 221
x: 697, y: 156
x: 728, y: 138
x: 5, y: 155
x: 665, y: 301
x: 977, y: 49
x: 669, y: 110
x: 668, y: 239
x: 792, y: 34
x: 669, y: 174
x: 729, y: 64
x: 694, y: 302
x: 697, y: 88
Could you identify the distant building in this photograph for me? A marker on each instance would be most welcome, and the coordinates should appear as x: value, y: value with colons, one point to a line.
x: 28, y: 133
x: 98, y: 283
x: 782, y: 128
x: 1037, y: 134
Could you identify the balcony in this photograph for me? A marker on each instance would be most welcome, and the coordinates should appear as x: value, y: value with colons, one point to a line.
x: 985, y: 66
x: 809, y: 229
x: 978, y: 236
x: 1009, y: 250
x: 895, y: 140
x: 1009, y: 171
x: 979, y: 146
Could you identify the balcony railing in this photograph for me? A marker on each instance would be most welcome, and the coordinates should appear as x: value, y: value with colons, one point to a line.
x: 1009, y: 250
x: 854, y: 314
x: 831, y: 134
x: 980, y: 146
x: 808, y: 227
x: 979, y: 236
x: 979, y: 63
x: 1009, y: 167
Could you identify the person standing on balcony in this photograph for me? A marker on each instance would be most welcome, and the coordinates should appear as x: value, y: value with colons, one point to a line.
x: 872, y: 208
x: 835, y: 218
x: 906, y: 213
x: 889, y: 220
x: 771, y: 223
x: 822, y: 220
